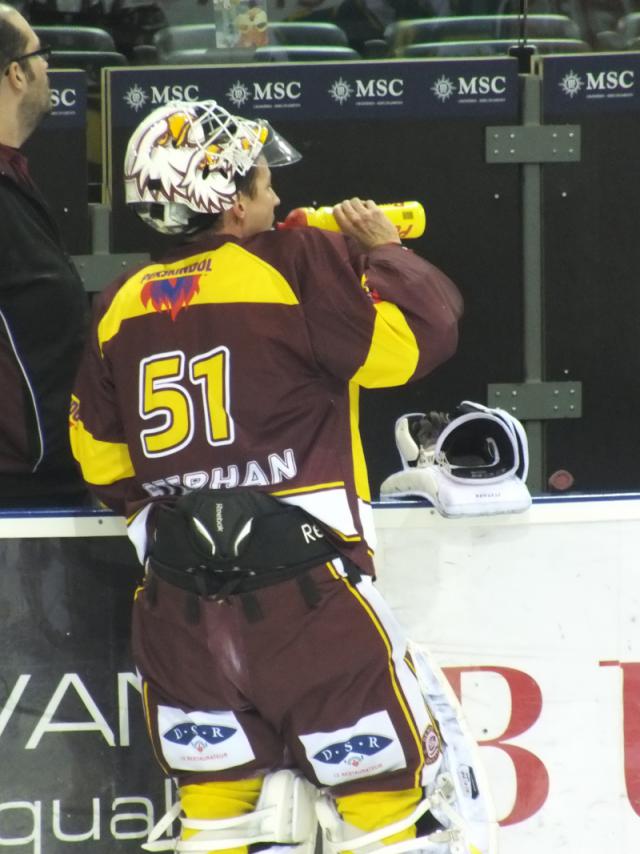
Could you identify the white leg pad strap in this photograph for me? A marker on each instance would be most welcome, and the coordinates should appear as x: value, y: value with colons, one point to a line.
x: 284, y: 814
x: 341, y: 836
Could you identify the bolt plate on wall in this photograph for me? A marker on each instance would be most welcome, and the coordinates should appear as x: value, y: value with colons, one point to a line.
x: 532, y: 144
x: 537, y: 401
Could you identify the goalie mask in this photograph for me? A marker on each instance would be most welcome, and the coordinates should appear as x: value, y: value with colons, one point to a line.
x: 183, y: 158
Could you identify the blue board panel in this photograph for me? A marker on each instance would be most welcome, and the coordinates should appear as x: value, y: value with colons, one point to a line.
x: 371, y: 90
x: 590, y: 84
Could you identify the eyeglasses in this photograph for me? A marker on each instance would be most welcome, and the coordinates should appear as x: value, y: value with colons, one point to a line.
x: 45, y: 52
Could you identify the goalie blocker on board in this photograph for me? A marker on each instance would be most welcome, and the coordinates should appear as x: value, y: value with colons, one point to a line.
x: 473, y: 463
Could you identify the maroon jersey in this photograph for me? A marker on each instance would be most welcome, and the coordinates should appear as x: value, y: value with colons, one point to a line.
x: 237, y: 363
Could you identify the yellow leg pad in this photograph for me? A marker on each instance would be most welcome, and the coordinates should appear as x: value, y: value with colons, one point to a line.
x: 219, y: 800
x: 373, y: 810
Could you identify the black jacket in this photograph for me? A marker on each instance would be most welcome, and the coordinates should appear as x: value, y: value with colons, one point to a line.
x: 43, y: 308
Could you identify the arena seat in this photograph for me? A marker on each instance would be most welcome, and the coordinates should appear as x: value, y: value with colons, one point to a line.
x: 305, y: 53
x: 269, y: 53
x: 491, y: 47
x: 611, y: 30
x: 628, y: 31
x: 75, y: 38
x: 134, y: 23
x: 63, y: 13
x: 306, y: 33
x: 183, y: 37
x: 185, y: 56
x: 172, y: 42
x: 208, y: 56
x: 478, y: 28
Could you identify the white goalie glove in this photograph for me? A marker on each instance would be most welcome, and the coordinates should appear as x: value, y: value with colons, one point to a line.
x: 470, y: 464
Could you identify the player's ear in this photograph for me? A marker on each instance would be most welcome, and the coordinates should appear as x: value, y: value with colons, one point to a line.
x: 239, y: 208
x: 15, y: 74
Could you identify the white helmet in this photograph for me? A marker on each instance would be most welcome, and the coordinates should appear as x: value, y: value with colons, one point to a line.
x: 183, y: 159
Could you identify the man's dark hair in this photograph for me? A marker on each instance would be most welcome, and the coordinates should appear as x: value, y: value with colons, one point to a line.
x: 12, y: 41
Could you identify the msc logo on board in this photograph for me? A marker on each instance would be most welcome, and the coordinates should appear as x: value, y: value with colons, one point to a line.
x: 64, y: 102
x: 137, y: 98
x: 269, y: 92
x: 601, y: 84
x: 61, y: 98
x: 475, y: 87
x: 374, y: 88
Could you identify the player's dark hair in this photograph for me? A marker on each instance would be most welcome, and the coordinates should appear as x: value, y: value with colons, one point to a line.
x: 244, y: 184
x: 247, y: 183
x: 12, y: 41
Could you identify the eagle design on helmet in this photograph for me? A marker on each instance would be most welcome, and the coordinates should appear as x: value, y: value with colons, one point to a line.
x: 184, y: 156
x: 158, y: 156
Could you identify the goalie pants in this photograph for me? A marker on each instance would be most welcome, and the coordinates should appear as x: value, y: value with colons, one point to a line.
x: 322, y: 683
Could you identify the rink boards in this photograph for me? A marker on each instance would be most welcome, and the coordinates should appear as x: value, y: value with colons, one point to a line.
x: 534, y: 619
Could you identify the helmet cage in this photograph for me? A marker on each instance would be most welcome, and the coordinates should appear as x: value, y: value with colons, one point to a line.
x: 227, y: 142
x: 188, y: 154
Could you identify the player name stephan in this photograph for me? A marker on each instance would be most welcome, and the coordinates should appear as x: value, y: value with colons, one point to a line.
x: 275, y: 469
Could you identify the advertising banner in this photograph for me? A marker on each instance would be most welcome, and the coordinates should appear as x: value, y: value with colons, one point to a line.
x: 533, y: 618
x: 590, y: 84
x: 57, y: 152
x: 76, y: 771
x: 376, y: 90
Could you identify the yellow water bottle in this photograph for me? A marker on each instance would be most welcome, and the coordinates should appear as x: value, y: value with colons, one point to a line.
x: 408, y: 217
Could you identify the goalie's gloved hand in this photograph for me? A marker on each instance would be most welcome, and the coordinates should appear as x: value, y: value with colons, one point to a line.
x: 426, y: 430
x: 416, y: 435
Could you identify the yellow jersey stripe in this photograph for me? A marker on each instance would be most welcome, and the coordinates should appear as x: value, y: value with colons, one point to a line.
x: 229, y: 274
x: 394, y: 679
x: 393, y: 354
x: 102, y: 463
x: 361, y: 476
x: 356, y: 538
x: 317, y: 487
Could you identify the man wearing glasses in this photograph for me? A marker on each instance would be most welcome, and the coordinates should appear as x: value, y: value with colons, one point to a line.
x: 42, y: 299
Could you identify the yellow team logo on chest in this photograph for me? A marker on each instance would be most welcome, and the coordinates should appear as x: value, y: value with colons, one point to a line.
x: 230, y: 274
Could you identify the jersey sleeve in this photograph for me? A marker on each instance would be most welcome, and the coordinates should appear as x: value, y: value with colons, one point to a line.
x: 380, y: 319
x: 417, y: 312
x: 96, y: 431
